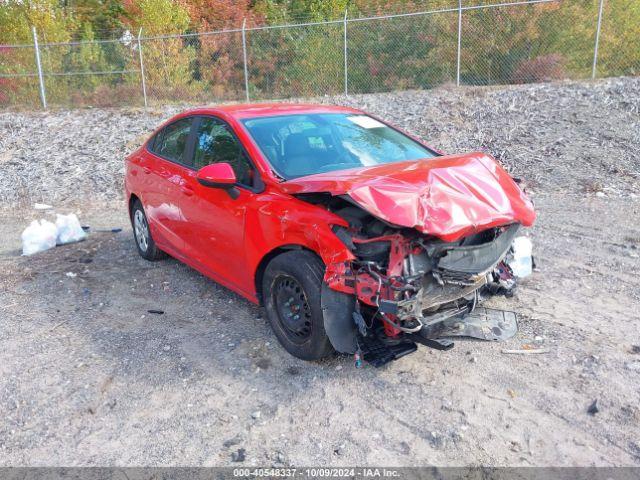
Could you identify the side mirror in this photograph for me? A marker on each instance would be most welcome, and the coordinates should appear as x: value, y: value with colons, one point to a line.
x: 217, y: 175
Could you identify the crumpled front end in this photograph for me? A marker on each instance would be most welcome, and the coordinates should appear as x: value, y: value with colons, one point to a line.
x: 410, y: 287
x: 430, y: 240
x: 412, y: 280
x: 450, y: 272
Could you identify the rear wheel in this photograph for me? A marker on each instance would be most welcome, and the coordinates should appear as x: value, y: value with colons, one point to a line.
x: 291, y: 287
x: 147, y: 248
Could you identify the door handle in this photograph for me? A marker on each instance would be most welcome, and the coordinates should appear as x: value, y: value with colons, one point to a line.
x: 187, y: 190
x: 146, y: 170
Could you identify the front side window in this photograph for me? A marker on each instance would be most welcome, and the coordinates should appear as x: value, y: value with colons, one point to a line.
x: 304, y: 144
x: 171, y: 142
x: 215, y: 143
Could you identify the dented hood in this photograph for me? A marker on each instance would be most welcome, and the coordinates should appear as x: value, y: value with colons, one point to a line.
x: 449, y: 197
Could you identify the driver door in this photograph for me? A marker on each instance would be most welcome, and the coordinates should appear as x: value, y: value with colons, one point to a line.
x: 216, y: 220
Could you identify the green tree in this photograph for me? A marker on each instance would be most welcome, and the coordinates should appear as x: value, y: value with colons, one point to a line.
x: 168, y: 59
x: 17, y: 17
x: 619, y: 51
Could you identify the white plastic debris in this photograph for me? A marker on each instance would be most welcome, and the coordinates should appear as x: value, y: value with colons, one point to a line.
x: 521, y: 264
x: 38, y: 237
x: 41, y: 206
x: 69, y: 229
x: 71, y: 274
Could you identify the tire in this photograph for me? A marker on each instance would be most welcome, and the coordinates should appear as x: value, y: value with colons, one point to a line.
x: 147, y: 248
x: 291, y: 286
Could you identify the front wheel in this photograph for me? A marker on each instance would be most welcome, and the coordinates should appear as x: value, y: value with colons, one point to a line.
x: 291, y: 288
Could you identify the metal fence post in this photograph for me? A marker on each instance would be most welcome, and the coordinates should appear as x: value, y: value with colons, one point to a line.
x: 346, y: 70
x: 43, y: 95
x: 595, y: 48
x: 144, y: 83
x: 244, y: 58
x: 459, y: 41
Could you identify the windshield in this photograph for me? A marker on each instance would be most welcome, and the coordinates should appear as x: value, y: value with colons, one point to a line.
x: 304, y: 144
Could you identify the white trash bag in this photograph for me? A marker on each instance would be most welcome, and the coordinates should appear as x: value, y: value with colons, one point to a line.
x: 521, y: 264
x: 38, y: 237
x: 69, y: 229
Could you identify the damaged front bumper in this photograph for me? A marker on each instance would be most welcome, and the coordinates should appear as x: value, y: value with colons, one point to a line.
x: 423, y: 290
x: 459, y: 272
x: 482, y: 323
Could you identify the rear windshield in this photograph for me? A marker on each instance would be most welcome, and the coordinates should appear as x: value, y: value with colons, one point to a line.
x: 304, y: 144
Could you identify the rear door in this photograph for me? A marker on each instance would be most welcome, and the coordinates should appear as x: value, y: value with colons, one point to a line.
x: 168, y: 170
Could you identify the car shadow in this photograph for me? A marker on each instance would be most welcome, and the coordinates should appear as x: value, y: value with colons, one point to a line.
x: 148, y: 316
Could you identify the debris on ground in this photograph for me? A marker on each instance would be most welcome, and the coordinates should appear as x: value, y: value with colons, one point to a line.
x: 69, y: 229
x: 86, y: 228
x: 593, y: 408
x: 41, y: 206
x: 42, y: 235
x: 232, y: 441
x: 239, y: 456
x: 157, y: 312
x: 38, y: 237
x: 526, y: 351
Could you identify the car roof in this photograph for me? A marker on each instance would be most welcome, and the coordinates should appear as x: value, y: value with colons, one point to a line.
x: 251, y: 110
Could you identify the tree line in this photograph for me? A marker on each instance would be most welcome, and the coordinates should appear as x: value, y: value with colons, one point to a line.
x: 525, y: 43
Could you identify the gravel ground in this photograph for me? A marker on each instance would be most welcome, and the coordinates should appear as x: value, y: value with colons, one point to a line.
x: 89, y: 377
x: 567, y: 137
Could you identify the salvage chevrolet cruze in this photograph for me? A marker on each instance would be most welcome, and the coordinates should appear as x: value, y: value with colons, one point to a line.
x: 355, y: 236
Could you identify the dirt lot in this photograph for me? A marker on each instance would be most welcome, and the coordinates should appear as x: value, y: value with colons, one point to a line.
x: 89, y: 377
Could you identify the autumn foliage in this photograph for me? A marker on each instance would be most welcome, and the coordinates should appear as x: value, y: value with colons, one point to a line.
x: 193, y: 52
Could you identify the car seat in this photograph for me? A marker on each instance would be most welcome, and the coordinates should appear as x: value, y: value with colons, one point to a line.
x: 298, y: 158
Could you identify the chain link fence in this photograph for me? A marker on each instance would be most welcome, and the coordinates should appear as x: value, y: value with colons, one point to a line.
x: 19, y: 84
x: 468, y: 44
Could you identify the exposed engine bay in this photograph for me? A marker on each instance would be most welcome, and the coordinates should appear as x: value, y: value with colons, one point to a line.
x: 414, y: 288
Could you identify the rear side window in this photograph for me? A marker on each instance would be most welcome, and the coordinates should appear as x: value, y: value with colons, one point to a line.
x: 171, y: 142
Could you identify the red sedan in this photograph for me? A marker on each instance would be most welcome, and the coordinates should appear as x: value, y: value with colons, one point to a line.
x: 355, y: 236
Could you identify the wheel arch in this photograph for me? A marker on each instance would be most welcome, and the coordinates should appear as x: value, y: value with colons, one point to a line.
x: 266, y: 259
x: 133, y: 198
x: 337, y: 307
